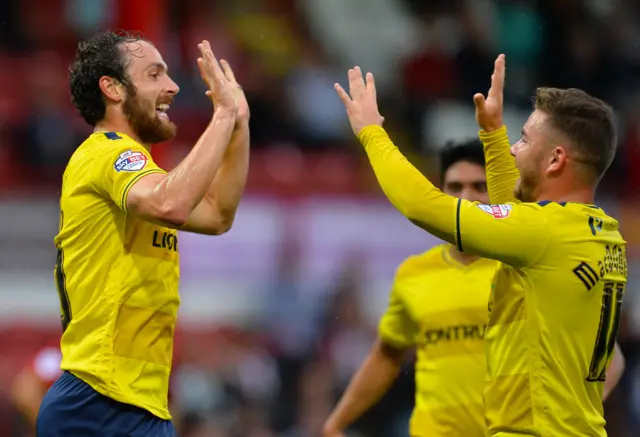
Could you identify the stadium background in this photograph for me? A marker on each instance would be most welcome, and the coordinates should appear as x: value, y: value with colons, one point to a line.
x: 278, y: 313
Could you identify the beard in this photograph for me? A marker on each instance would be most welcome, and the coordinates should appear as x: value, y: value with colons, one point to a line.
x: 526, y: 186
x: 150, y: 129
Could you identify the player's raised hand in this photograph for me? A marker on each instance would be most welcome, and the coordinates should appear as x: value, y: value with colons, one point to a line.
x: 243, y: 105
x: 489, y: 110
x: 362, y: 106
x: 222, y: 92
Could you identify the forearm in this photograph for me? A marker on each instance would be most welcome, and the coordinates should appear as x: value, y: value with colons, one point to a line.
x: 228, y: 185
x: 186, y: 185
x: 407, y: 189
x: 369, y: 384
x: 500, y: 165
x: 614, y: 372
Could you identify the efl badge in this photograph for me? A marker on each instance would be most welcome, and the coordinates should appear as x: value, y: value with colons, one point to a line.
x: 497, y: 211
x: 130, y: 161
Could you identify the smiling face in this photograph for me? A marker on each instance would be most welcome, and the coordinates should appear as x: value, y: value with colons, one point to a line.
x: 149, y: 93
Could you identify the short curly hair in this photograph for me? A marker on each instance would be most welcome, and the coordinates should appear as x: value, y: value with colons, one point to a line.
x: 98, y: 56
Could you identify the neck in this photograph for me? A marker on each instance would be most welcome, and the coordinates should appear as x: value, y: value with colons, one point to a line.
x: 119, y: 126
x: 582, y: 195
x: 462, y: 258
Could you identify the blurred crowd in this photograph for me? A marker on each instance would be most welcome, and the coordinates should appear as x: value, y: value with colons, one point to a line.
x: 281, y: 374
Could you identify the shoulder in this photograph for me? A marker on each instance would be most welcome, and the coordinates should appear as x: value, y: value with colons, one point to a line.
x: 417, y: 264
x: 110, y: 149
x: 533, y: 215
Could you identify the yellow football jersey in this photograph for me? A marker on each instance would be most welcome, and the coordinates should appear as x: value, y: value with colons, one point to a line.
x: 440, y: 306
x: 117, y: 277
x: 602, y: 272
x: 555, y: 306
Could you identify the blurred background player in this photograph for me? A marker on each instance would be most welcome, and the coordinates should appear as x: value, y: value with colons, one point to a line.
x: 117, y: 270
x: 438, y: 304
x: 556, y: 299
x: 33, y: 381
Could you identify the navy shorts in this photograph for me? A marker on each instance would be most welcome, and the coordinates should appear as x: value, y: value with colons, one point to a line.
x: 71, y: 408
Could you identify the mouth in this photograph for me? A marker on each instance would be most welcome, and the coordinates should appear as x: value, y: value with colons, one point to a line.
x: 161, y: 111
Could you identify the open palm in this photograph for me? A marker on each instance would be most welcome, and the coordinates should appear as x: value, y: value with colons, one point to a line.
x: 361, y: 104
x: 489, y: 110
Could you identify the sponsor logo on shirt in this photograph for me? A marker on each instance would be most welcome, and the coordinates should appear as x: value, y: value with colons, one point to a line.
x: 455, y: 333
x: 130, y: 161
x: 497, y: 211
x: 165, y: 240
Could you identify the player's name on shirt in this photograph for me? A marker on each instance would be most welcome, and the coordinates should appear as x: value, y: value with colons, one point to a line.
x: 613, y: 261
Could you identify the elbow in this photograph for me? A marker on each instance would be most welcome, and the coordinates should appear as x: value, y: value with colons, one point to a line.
x: 174, y: 215
x: 389, y: 353
x: 222, y: 225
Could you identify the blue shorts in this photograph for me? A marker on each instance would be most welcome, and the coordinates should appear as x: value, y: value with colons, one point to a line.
x: 71, y: 408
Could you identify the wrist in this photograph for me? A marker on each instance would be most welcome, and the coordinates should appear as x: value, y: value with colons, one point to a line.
x: 492, y: 128
x: 493, y: 132
x: 224, y: 115
x: 241, y: 123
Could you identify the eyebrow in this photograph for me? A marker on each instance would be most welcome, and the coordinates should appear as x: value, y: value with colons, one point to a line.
x: 160, y: 65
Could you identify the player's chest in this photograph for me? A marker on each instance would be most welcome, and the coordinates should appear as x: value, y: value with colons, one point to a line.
x: 449, y: 303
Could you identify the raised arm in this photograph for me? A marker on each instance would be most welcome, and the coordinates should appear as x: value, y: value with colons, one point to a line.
x: 500, y: 164
x: 516, y: 234
x: 222, y: 198
x: 171, y: 199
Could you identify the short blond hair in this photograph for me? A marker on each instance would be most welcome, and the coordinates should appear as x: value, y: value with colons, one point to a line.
x: 585, y: 120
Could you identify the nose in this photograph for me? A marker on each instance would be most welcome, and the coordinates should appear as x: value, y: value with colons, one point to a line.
x: 172, y: 87
x: 469, y: 193
x: 512, y: 149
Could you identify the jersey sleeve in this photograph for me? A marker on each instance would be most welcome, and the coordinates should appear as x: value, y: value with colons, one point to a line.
x: 396, y: 327
x: 516, y: 234
x: 502, y: 173
x: 118, y: 169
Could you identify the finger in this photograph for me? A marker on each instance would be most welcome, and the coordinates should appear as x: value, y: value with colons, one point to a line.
x: 497, y: 78
x: 479, y: 101
x: 215, y: 65
x: 228, y: 72
x: 203, y: 70
x: 371, y: 86
x: 207, y: 46
x: 346, y: 100
x: 356, y: 84
x: 209, y: 56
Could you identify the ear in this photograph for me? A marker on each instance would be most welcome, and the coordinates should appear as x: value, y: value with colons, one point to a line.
x: 557, y: 160
x: 112, y: 89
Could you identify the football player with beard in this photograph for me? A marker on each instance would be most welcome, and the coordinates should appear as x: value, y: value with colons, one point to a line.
x: 556, y: 298
x: 117, y: 267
